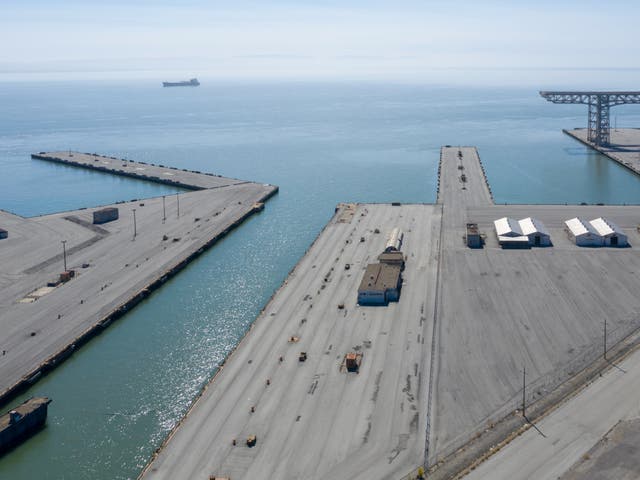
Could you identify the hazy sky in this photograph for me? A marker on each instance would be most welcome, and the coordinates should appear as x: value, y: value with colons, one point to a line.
x: 316, y: 39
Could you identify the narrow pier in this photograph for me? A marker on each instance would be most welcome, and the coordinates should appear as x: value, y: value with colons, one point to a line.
x: 623, y: 149
x: 462, y: 183
x: 116, y: 264
x: 461, y: 178
x: 182, y: 178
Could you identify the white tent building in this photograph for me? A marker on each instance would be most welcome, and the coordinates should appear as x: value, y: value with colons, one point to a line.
x: 523, y: 233
x: 583, y: 233
x: 509, y: 233
x: 611, y: 234
x: 535, y: 231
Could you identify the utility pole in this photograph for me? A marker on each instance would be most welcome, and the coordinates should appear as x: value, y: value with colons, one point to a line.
x: 164, y: 210
x: 64, y: 254
x: 178, y: 199
x: 605, y: 338
x: 134, y: 224
x: 524, y: 386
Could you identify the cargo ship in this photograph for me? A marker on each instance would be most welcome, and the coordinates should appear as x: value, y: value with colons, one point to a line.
x: 22, y: 422
x: 188, y: 83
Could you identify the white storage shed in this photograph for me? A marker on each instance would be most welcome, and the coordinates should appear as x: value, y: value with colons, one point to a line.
x: 510, y: 234
x: 507, y: 227
x: 535, y: 231
x: 583, y: 233
x: 612, y: 235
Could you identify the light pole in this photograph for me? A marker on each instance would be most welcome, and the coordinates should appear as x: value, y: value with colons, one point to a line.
x: 178, y: 199
x: 134, y: 223
x: 64, y: 254
x: 164, y: 210
x: 605, y: 338
x: 524, y: 387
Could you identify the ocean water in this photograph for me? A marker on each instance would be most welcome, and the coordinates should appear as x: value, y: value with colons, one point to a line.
x: 116, y: 399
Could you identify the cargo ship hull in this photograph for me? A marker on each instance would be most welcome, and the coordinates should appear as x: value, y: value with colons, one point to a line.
x: 189, y: 83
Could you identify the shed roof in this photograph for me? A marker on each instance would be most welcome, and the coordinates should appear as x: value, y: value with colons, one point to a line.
x: 393, y: 256
x: 519, y: 240
x: 507, y: 227
x: 605, y: 227
x: 530, y: 226
x: 380, y: 277
x: 578, y: 227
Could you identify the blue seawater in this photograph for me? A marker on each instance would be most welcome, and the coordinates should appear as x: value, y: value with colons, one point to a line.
x: 322, y: 143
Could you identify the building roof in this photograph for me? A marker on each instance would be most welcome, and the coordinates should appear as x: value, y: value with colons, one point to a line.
x: 530, y: 226
x: 380, y: 277
x: 393, y: 256
x: 507, y: 227
x: 522, y: 239
x: 472, y: 228
x: 578, y: 227
x: 605, y: 227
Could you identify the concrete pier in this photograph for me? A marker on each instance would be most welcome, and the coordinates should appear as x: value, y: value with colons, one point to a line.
x: 183, y: 178
x: 623, y: 149
x: 114, y: 269
x: 441, y: 375
x: 313, y: 419
x: 499, y: 311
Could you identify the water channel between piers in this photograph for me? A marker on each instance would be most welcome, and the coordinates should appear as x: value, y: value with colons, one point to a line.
x: 438, y: 367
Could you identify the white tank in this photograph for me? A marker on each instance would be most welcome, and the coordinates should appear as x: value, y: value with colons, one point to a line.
x: 394, y: 243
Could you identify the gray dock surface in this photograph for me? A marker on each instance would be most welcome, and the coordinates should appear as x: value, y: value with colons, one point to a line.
x: 594, y: 435
x: 114, y: 270
x: 442, y: 365
x: 188, y: 179
x: 314, y: 420
x: 502, y: 310
x: 624, y: 146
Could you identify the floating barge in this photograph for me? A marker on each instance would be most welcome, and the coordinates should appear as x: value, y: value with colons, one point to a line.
x: 22, y: 422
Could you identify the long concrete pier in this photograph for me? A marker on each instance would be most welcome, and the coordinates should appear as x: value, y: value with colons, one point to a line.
x: 312, y: 419
x: 182, y: 178
x: 115, y: 269
x: 624, y: 147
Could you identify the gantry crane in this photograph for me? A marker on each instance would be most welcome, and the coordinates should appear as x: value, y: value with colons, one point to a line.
x: 599, y: 105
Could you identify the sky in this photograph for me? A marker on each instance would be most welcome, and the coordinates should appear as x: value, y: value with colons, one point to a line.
x: 321, y: 39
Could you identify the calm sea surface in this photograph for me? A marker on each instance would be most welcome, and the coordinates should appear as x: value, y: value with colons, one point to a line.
x: 117, y: 398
